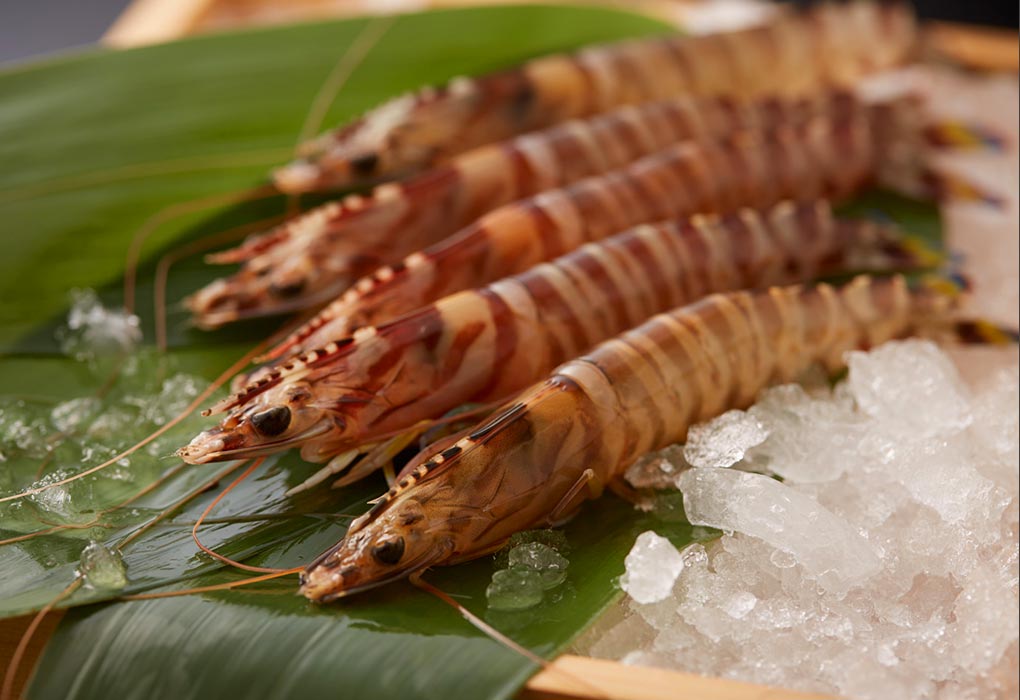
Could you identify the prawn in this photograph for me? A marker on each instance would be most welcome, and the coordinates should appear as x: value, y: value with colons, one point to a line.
x: 482, y: 345
x: 315, y: 257
x: 797, y: 52
x: 829, y: 156
x: 565, y: 439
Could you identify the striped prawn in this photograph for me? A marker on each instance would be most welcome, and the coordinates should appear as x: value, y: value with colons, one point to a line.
x: 832, y: 155
x: 565, y: 439
x: 315, y: 257
x: 483, y: 345
x: 795, y: 53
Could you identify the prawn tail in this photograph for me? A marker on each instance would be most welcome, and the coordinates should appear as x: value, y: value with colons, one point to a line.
x: 963, y: 135
x: 982, y: 332
x: 933, y: 185
x: 899, y: 252
x: 955, y: 188
x: 938, y: 294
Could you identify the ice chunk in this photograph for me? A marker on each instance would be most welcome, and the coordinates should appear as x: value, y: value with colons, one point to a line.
x: 939, y: 474
x: 102, y: 568
x: 812, y: 439
x: 996, y: 429
x: 174, y: 396
x: 542, y: 559
x: 657, y: 470
x: 530, y: 564
x: 554, y: 539
x: 723, y: 441
x: 622, y: 637
x: 652, y: 568
x: 739, y: 604
x: 985, y: 600
x: 69, y: 416
x: 759, y: 506
x: 893, y: 381
x: 514, y: 589
x: 93, y: 330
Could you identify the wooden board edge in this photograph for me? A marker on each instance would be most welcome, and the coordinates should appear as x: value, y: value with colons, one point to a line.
x: 981, y: 48
x: 146, y: 22
x: 581, y: 678
x: 12, y: 632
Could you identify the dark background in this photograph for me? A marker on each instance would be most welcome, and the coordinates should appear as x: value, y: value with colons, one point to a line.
x: 33, y: 27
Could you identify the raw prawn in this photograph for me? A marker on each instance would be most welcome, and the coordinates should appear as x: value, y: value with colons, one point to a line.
x: 830, y: 156
x: 315, y: 257
x: 797, y: 52
x: 565, y: 439
x: 483, y: 345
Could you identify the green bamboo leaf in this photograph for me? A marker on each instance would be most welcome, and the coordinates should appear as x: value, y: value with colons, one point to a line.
x: 92, y: 146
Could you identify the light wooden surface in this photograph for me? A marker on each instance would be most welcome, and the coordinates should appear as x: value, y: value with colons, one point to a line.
x: 11, y: 631
x: 982, y: 48
x: 581, y: 678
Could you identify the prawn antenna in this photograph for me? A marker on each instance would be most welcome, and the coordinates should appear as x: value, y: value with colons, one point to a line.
x: 500, y: 638
x: 205, y: 513
x: 162, y: 274
x: 172, y: 212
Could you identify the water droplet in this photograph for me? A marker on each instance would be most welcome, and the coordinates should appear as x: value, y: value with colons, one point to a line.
x: 102, y: 568
x: 514, y: 589
x: 544, y: 560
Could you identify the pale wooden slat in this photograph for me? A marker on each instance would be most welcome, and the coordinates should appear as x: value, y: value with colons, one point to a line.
x: 984, y: 48
x: 12, y: 630
x: 154, y: 21
x: 580, y: 678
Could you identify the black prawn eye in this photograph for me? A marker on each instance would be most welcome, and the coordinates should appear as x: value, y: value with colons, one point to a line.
x: 365, y: 164
x: 389, y: 551
x: 272, y: 421
x: 286, y: 290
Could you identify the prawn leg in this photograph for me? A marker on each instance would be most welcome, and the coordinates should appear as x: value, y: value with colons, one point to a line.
x: 587, y: 486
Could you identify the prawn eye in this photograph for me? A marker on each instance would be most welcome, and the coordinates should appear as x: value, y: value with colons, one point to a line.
x: 272, y: 421
x: 389, y: 551
x: 365, y: 164
x: 286, y: 290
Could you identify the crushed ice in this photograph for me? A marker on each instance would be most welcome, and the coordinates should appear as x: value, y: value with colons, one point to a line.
x: 55, y: 441
x: 882, y: 564
x: 724, y: 441
x: 652, y: 568
x: 531, y: 564
x: 93, y: 330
